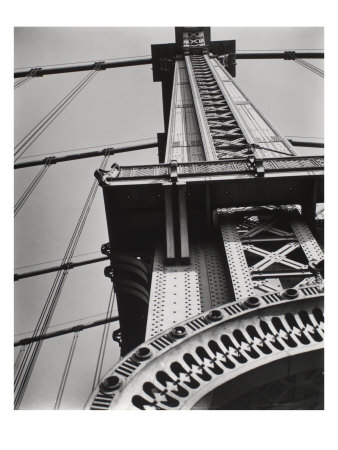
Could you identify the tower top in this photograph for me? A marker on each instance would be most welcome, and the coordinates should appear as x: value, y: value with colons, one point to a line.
x: 163, y: 55
x: 180, y: 31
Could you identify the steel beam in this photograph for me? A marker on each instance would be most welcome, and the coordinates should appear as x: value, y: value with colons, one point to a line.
x: 40, y: 71
x: 93, y: 154
x: 183, y: 221
x: 169, y: 225
x: 70, y: 265
x: 74, y: 329
x: 279, y: 55
x: 306, y: 144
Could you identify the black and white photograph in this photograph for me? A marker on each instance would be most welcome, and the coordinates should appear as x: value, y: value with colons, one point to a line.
x: 169, y: 218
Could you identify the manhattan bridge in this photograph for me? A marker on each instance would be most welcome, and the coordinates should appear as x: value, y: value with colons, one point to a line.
x: 214, y: 259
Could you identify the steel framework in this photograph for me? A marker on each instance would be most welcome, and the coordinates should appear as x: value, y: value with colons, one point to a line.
x: 215, y: 256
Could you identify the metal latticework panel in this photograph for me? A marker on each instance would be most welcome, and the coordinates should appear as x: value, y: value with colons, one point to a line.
x: 179, y: 292
x: 237, y: 264
x: 268, y: 249
x: 184, y: 140
x: 255, y: 127
x: 306, y: 239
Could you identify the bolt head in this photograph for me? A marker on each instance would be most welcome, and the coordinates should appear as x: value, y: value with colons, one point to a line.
x: 291, y: 293
x: 142, y: 354
x: 215, y: 315
x: 178, y: 332
x: 110, y: 384
x: 252, y: 302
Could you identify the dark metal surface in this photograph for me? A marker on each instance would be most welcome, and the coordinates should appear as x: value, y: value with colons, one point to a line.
x: 306, y: 144
x: 40, y: 71
x: 82, y: 67
x: 93, y: 154
x: 74, y: 329
x: 71, y: 265
x: 279, y: 55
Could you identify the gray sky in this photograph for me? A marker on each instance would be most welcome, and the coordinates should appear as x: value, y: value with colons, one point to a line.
x: 119, y: 105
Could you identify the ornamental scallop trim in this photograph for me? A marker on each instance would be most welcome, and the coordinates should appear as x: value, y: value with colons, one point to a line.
x: 216, y: 346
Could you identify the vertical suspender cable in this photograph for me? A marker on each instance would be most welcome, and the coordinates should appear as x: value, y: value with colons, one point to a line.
x: 32, y: 350
x: 66, y: 371
x: 24, y: 197
x: 105, y: 333
x: 45, y: 122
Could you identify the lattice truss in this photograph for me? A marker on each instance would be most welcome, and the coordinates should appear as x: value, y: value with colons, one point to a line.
x: 223, y: 127
x: 193, y: 39
x: 268, y: 249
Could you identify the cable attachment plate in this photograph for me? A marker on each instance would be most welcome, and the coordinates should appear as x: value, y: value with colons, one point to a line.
x: 173, y: 171
x: 256, y: 165
x: 289, y: 55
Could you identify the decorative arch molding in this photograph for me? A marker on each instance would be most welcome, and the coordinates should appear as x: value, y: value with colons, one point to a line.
x: 231, y: 350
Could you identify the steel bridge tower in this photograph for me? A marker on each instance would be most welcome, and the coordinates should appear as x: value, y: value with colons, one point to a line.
x: 215, y: 256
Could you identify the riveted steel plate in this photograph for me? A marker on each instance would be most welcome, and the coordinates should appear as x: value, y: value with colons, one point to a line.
x: 238, y: 267
x: 183, y: 127
x: 306, y: 239
x: 179, y: 292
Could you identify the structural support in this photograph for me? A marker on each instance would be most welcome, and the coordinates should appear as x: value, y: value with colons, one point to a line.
x: 279, y: 55
x: 40, y: 71
x: 169, y: 225
x: 74, y: 329
x: 71, y: 265
x: 110, y: 151
x: 183, y: 220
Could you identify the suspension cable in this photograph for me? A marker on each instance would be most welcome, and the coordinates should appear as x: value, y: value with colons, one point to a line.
x: 103, y: 344
x: 24, y: 197
x: 66, y: 371
x: 19, y: 83
x: 23, y: 145
x: 30, y: 75
x: 32, y: 350
x: 53, y: 111
x: 18, y: 358
x: 311, y: 67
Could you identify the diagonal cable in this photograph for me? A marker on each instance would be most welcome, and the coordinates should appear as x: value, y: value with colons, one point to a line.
x: 24, y: 197
x: 46, y: 121
x: 66, y: 371
x: 32, y: 350
x: 103, y: 344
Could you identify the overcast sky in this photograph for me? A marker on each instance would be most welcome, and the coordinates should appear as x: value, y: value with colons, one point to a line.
x: 119, y: 105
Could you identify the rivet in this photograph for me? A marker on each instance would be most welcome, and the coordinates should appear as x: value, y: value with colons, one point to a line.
x: 252, y: 302
x: 215, y: 315
x: 142, y: 354
x: 178, y: 332
x: 110, y: 384
x: 290, y: 293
